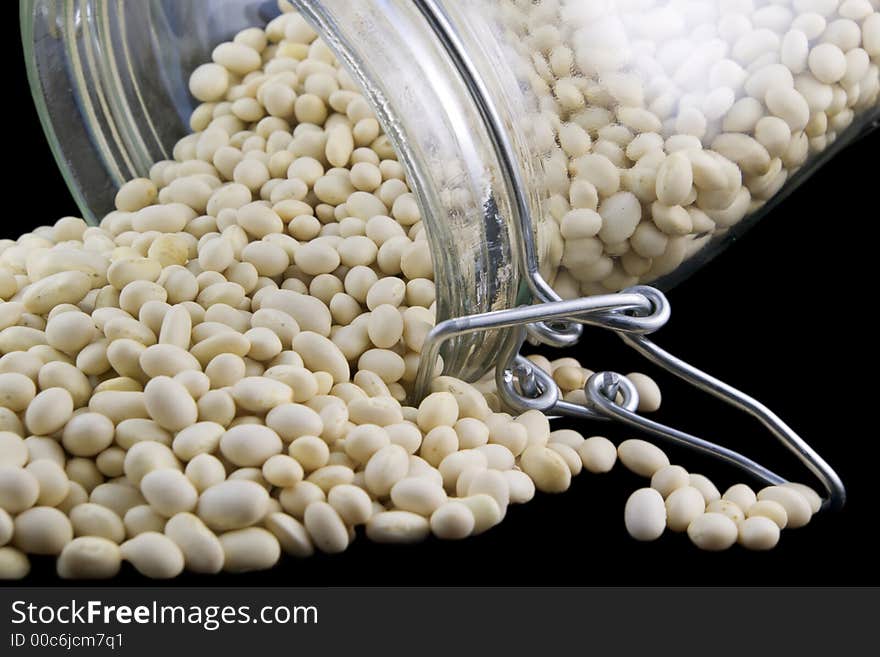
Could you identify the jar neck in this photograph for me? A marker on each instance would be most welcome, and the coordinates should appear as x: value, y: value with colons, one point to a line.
x: 441, y: 138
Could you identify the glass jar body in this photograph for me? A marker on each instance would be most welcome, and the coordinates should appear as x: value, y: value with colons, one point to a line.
x: 679, y: 124
x: 604, y: 103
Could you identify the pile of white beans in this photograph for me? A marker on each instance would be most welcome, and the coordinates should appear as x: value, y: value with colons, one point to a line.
x: 218, y: 372
x: 663, y: 123
x: 682, y: 501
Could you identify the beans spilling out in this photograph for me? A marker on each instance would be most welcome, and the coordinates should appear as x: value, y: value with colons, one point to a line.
x: 664, y: 123
x: 687, y: 502
x: 218, y: 373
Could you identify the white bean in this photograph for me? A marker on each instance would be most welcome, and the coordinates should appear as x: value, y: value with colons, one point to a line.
x: 741, y: 495
x: 707, y: 488
x: 42, y: 530
x: 233, y: 505
x: 249, y: 549
x: 89, y: 557
x: 645, y: 515
x: 797, y: 509
x: 201, y: 549
x: 812, y: 497
x: 250, y: 444
x: 649, y: 392
x: 452, y: 521
x: 169, y: 403
x: 598, y: 454
x: 49, y: 411
x: 485, y: 511
x: 682, y: 506
x: 769, y: 509
x: 385, y: 468
x: 713, y: 532
x: 326, y: 528
x: 758, y: 533
x: 291, y: 535
x: 727, y: 508
x: 669, y: 478
x: 89, y: 519
x: 352, y: 503
x: 641, y: 457
x: 418, y: 495
x: 153, y: 555
x: 169, y: 491
x: 14, y: 564
x: 397, y: 527
x: 547, y: 469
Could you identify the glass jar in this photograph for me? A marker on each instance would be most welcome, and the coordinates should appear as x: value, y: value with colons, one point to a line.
x: 642, y: 137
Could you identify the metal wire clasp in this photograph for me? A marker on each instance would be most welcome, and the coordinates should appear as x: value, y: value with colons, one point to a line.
x: 632, y: 314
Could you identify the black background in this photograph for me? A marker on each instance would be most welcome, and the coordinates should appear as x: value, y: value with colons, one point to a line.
x: 785, y: 314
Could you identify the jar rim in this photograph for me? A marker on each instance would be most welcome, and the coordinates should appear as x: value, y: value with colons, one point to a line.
x: 471, y: 278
